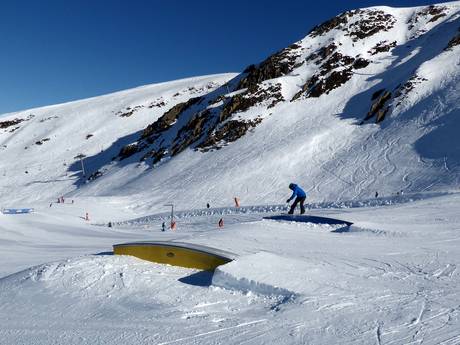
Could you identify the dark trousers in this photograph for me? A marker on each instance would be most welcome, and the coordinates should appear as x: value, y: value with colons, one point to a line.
x: 294, y: 205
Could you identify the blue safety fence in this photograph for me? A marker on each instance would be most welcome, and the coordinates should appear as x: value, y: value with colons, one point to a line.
x: 17, y: 210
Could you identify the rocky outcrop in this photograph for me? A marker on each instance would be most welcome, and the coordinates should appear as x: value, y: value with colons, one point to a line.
x: 228, y: 132
x: 15, y: 122
x: 275, y: 66
x: 41, y: 142
x: 168, y: 118
x: 129, y: 111
x: 361, y: 63
x: 10, y: 123
x: 378, y: 109
x: 370, y: 22
x: 381, y: 47
x: 191, y: 132
x: 334, y: 72
x: 128, y: 151
x: 155, y: 155
x: 95, y: 175
x: 431, y: 13
x: 160, y: 103
x: 358, y: 24
x: 407, y: 87
x: 333, y: 81
x: 338, y: 22
x: 322, y: 53
x: 455, y: 41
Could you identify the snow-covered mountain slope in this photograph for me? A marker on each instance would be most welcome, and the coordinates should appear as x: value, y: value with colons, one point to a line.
x: 368, y: 101
x: 38, y: 147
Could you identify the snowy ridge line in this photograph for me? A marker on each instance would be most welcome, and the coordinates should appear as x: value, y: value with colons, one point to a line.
x: 222, y: 211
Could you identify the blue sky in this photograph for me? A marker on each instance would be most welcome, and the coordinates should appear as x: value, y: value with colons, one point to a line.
x: 54, y: 51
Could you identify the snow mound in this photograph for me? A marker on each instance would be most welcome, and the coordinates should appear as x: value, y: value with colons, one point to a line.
x: 91, y: 276
x: 273, y: 275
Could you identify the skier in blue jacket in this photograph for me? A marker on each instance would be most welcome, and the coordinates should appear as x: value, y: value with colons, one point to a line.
x: 300, y: 197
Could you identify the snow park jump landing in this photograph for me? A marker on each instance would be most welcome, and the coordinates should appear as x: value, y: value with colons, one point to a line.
x: 176, y: 254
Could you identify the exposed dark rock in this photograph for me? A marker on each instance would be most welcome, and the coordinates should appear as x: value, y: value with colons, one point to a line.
x: 436, y: 12
x: 236, y: 103
x: 408, y: 86
x: 383, y: 46
x: 329, y: 77
x: 40, y: 142
x: 361, y: 63
x: 326, y: 51
x: 217, y: 99
x: 336, y: 60
x: 94, y: 175
x: 453, y: 42
x: 9, y: 123
x: 168, y: 118
x: 275, y: 66
x: 306, y: 87
x: 48, y: 118
x: 335, y: 23
x: 250, y: 68
x: 129, y: 111
x: 378, y: 107
x: 190, y: 133
x: 370, y: 23
x: 156, y: 155
x: 317, y: 86
x: 377, y: 94
x: 432, y: 12
x: 273, y: 92
x: 158, y: 104
x: 335, y: 80
x: 88, y: 136
x: 244, y: 101
x: 322, y: 53
x: 230, y: 131
x: 128, y: 151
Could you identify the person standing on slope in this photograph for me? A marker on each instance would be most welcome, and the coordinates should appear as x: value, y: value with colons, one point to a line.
x: 299, y: 195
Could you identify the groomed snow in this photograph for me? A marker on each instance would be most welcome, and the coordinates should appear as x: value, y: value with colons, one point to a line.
x: 393, y: 278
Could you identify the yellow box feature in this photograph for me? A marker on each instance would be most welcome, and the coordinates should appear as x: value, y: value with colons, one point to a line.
x: 176, y: 254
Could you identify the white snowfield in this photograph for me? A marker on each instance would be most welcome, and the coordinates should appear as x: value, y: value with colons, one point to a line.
x: 392, y: 277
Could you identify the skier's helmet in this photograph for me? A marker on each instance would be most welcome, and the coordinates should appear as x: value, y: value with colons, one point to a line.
x: 291, y: 185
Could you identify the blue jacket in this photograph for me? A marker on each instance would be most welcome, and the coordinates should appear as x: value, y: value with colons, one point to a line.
x: 297, y: 192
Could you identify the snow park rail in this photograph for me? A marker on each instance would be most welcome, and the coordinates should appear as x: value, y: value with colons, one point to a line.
x: 176, y: 254
x: 309, y: 219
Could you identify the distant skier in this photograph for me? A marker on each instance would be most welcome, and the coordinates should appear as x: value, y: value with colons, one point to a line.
x: 207, y: 205
x: 299, y: 195
x: 163, y: 226
x: 376, y: 195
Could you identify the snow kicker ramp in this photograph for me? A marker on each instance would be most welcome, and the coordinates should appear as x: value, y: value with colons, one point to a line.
x: 309, y: 219
x: 176, y: 254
